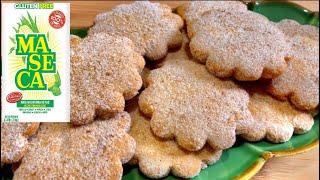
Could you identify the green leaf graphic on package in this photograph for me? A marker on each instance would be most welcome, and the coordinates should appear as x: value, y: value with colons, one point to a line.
x: 40, y: 72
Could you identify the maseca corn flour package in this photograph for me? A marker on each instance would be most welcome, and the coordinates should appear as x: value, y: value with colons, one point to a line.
x: 35, y: 60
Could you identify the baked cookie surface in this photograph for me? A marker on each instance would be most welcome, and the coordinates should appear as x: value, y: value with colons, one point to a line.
x: 231, y: 45
x: 279, y: 118
x: 187, y: 103
x: 151, y: 26
x: 74, y: 40
x: 300, y: 81
x: 157, y: 157
x: 105, y: 71
x: 93, y: 151
x: 194, y: 9
x: 14, y: 140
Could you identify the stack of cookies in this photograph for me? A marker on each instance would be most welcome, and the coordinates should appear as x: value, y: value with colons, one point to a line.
x: 233, y: 73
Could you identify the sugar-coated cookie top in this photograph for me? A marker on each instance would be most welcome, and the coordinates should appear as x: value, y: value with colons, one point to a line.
x: 93, y: 151
x: 105, y: 70
x: 279, y: 118
x: 151, y: 26
x: 194, y: 9
x: 157, y: 157
x: 14, y: 140
x: 300, y: 81
x: 242, y: 44
x: 292, y: 28
x: 186, y: 102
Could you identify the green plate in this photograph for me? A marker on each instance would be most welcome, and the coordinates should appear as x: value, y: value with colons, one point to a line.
x: 244, y: 159
x: 276, y: 11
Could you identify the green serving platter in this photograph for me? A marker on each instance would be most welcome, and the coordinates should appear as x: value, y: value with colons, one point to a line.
x: 245, y: 159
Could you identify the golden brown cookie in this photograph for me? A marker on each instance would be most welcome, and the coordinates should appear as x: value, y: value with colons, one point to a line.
x: 157, y: 157
x: 292, y: 28
x: 186, y: 102
x: 300, y: 81
x: 105, y: 72
x: 232, y: 45
x: 74, y: 40
x: 93, y: 151
x: 194, y: 9
x: 14, y: 140
x: 151, y: 26
x: 144, y: 75
x: 279, y: 119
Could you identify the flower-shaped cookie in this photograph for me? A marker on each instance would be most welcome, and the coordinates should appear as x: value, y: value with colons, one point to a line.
x: 186, y: 102
x: 242, y: 44
x: 151, y: 26
x: 14, y: 140
x: 278, y: 119
x: 105, y: 71
x: 92, y: 151
x: 300, y: 81
x: 157, y: 157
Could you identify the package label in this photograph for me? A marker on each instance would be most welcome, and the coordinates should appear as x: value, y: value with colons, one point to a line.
x: 35, y: 57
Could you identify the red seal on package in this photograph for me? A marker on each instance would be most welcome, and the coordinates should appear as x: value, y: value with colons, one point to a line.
x: 14, y: 97
x: 57, y: 19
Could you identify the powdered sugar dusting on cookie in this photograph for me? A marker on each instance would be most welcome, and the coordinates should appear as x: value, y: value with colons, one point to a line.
x: 300, y: 81
x: 14, y: 140
x: 157, y: 157
x: 93, y: 151
x: 194, y: 9
x: 151, y: 26
x: 231, y: 45
x: 105, y: 72
x: 279, y: 119
x: 186, y: 102
x: 292, y: 28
